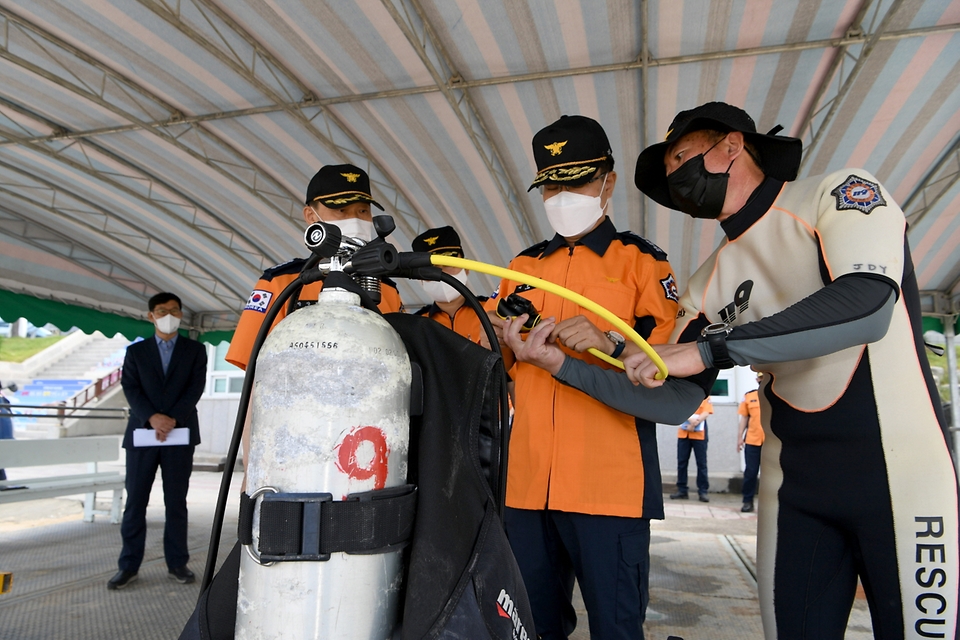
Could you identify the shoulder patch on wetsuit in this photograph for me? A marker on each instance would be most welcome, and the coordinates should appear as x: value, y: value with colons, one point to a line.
x: 293, y: 266
x: 535, y: 251
x: 630, y: 238
x: 858, y: 193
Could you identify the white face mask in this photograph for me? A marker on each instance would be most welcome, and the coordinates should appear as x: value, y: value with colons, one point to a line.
x: 167, y: 324
x: 355, y: 228
x: 570, y: 214
x: 441, y: 291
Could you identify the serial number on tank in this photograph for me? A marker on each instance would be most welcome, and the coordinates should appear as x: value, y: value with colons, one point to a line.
x: 314, y: 344
x: 377, y: 351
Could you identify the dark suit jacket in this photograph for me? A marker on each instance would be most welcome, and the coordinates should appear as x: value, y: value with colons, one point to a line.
x: 175, y: 394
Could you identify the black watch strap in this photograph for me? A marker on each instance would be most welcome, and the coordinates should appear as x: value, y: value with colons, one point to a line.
x: 718, y: 350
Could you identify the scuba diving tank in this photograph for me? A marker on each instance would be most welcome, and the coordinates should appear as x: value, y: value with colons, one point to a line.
x: 330, y: 414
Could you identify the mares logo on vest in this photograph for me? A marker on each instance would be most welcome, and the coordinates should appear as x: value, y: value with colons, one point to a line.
x: 741, y: 301
x: 507, y: 609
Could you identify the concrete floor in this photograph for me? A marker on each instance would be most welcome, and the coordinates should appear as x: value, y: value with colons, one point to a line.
x: 702, y: 577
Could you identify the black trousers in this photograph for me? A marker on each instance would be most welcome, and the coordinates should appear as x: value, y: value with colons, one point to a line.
x: 751, y: 455
x: 176, y: 465
x: 608, y: 555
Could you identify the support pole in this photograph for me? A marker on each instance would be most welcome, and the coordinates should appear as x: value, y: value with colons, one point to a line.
x: 949, y: 333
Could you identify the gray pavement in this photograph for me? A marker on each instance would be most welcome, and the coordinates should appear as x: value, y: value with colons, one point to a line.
x: 702, y: 571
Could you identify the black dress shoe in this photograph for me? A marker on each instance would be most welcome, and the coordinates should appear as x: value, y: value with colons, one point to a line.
x: 679, y: 495
x: 704, y: 498
x: 122, y: 579
x: 747, y: 507
x: 182, y: 575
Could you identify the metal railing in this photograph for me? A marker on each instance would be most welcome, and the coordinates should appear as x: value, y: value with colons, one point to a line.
x: 78, y: 402
x: 63, y: 412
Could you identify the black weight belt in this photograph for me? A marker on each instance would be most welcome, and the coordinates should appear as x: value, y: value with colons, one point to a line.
x: 311, y: 526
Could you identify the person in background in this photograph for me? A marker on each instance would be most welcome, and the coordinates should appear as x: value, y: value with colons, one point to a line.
x: 163, y: 378
x: 750, y: 439
x: 6, y: 423
x: 692, y: 435
x: 449, y: 308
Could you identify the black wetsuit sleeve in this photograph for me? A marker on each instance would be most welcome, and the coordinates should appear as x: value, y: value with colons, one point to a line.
x: 671, y: 403
x: 852, y: 310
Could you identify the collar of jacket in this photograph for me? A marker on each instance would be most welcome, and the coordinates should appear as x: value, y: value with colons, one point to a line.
x: 597, y: 240
x: 758, y: 204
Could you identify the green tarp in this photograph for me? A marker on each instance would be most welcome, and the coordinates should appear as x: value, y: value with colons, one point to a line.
x: 64, y: 316
x: 935, y: 323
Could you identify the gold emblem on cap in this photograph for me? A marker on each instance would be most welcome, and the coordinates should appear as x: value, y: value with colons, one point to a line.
x: 431, y: 241
x: 556, y: 148
x: 351, y: 177
x: 668, y: 134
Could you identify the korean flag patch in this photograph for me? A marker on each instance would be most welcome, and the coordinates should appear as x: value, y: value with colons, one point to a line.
x: 860, y: 194
x: 259, y: 300
x: 670, y: 288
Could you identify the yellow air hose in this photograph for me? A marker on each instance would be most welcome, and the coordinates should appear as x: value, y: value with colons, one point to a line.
x: 586, y: 303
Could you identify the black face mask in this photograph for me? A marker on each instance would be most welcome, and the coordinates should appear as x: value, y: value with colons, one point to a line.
x: 696, y: 191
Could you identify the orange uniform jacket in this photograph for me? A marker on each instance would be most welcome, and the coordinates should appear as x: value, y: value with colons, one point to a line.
x: 568, y: 451
x: 750, y: 407
x: 268, y: 287
x: 705, y: 409
x: 464, y: 321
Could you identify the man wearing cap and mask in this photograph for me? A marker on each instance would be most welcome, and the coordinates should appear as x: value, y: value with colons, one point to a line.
x: 163, y: 378
x: 449, y: 307
x: 814, y: 286
x: 584, y: 479
x: 337, y: 194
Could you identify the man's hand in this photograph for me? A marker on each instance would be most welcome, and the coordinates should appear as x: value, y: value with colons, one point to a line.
x: 539, y: 349
x: 682, y: 360
x: 162, y: 424
x: 497, y: 323
x: 579, y: 334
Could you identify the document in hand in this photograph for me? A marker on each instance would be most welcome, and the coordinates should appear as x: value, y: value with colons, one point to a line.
x: 148, y: 437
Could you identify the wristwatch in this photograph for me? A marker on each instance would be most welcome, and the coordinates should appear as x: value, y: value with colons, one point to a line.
x: 715, y: 335
x: 619, y: 343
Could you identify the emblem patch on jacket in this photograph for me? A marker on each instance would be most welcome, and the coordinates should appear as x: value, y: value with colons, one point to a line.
x: 860, y: 194
x: 259, y: 300
x: 670, y: 288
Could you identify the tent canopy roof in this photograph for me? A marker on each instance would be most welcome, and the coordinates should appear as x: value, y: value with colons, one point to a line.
x: 167, y: 144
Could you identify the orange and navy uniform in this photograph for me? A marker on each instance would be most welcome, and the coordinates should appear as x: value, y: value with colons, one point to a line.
x: 464, y: 321
x: 750, y: 407
x: 568, y: 451
x: 705, y: 409
x: 273, y: 281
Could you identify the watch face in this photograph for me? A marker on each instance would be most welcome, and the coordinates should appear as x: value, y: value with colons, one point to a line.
x: 615, y: 337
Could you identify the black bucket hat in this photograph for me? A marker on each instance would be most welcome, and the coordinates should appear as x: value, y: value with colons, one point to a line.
x: 337, y: 185
x: 779, y: 155
x: 569, y: 151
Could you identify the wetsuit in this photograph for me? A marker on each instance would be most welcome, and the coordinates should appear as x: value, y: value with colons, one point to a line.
x: 816, y: 278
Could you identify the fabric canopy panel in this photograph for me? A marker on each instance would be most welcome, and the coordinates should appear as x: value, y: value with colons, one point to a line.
x: 65, y: 316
